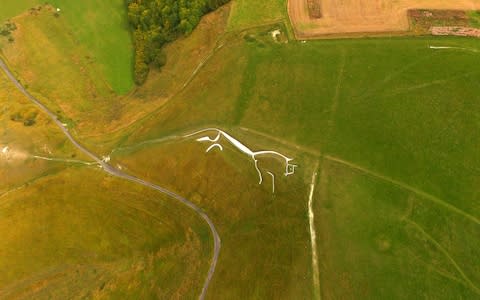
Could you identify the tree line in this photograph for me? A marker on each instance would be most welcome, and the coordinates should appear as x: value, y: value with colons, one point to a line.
x: 157, y: 22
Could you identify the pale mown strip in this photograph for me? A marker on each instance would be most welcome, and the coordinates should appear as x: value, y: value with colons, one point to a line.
x: 313, y: 237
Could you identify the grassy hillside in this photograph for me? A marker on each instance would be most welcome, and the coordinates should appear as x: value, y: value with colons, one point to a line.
x: 265, y: 240
x: 11, y: 8
x: 25, y: 132
x: 98, y: 26
x: 392, y: 109
x: 394, y: 102
x: 65, y: 237
x: 84, y: 97
x: 102, y: 28
x: 392, y: 124
x: 62, y: 68
x: 381, y: 241
x: 248, y: 13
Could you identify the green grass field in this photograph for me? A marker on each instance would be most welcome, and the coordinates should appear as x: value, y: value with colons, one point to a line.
x: 379, y: 241
x: 394, y: 108
x: 84, y: 97
x: 102, y: 28
x: 19, y: 143
x: 265, y: 240
x: 342, y: 97
x: 98, y: 26
x: 64, y: 237
x: 248, y: 13
x: 11, y: 8
x: 65, y: 74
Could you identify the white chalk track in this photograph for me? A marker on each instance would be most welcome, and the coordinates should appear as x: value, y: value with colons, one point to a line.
x: 313, y: 237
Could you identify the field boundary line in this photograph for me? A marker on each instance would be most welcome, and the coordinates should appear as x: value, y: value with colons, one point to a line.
x: 25, y: 184
x: 178, y: 136
x: 66, y: 160
x: 379, y: 87
x: 444, y: 252
x: 436, y: 270
x: 429, y: 84
x: 336, y: 95
x: 404, y: 186
x: 282, y: 141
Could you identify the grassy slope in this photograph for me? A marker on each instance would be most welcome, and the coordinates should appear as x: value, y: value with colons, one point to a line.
x: 12, y: 8
x: 290, y: 236
x: 63, y: 68
x: 99, y: 26
x: 414, y: 118
x: 248, y: 13
x: 265, y: 245
x: 393, y: 106
x: 84, y: 96
x: 66, y: 237
x: 17, y: 166
x: 380, y: 242
x: 400, y: 119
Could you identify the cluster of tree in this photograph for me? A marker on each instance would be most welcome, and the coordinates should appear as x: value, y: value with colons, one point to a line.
x: 27, y: 117
x: 6, y: 29
x: 157, y: 22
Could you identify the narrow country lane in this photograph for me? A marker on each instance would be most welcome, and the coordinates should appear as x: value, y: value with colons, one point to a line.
x: 117, y: 173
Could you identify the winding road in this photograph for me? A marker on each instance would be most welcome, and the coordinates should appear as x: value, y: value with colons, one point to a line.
x: 117, y: 173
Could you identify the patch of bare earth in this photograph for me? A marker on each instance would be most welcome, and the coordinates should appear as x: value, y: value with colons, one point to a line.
x: 353, y: 17
x: 314, y: 8
x: 457, y: 31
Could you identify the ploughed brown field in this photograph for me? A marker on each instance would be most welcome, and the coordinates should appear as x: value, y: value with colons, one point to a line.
x: 343, y: 17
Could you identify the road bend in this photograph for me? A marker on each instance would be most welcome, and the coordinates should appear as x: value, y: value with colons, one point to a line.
x: 118, y: 173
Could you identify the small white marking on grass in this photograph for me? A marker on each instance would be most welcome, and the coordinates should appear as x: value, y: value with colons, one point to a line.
x: 12, y: 191
x: 64, y: 160
x: 313, y: 237
x: 273, y: 182
x: 213, y: 146
x: 275, y: 34
x: 12, y: 154
x: 46, y: 149
x: 454, y: 48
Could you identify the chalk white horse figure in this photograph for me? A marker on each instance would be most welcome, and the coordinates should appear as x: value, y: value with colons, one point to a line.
x: 289, y: 168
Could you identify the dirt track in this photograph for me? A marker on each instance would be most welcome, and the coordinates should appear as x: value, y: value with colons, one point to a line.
x: 340, y: 17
